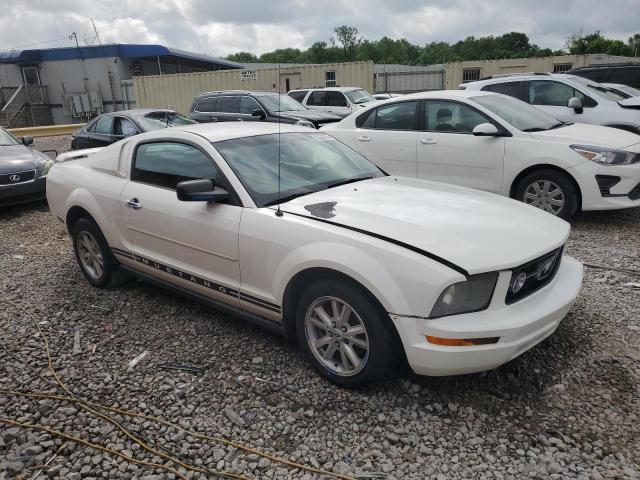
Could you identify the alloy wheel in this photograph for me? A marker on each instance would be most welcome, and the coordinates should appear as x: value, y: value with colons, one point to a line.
x: 546, y: 195
x: 337, y: 336
x: 90, y: 255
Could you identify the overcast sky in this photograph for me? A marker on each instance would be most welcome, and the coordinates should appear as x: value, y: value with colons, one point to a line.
x: 221, y: 27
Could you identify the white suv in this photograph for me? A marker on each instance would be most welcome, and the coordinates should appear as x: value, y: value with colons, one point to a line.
x: 341, y: 101
x: 568, y: 98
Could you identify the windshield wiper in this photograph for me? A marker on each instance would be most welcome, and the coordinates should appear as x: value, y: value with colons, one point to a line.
x: 534, y: 129
x: 349, y: 180
x: 287, y: 198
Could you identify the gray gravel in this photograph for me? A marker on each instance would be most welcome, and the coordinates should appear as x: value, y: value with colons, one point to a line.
x: 567, y: 409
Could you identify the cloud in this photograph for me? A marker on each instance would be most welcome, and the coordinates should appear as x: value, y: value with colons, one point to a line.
x: 221, y: 27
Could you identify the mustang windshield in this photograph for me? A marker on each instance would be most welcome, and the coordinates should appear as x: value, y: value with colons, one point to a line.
x: 518, y: 113
x: 309, y: 162
x: 6, y: 139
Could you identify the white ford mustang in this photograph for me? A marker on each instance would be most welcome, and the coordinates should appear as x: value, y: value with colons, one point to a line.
x: 365, y: 269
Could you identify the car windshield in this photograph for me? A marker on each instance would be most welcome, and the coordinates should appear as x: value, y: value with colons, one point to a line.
x: 309, y: 162
x: 602, y: 90
x: 518, y: 113
x: 6, y: 139
x: 359, y: 96
x: 158, y: 120
x: 277, y: 102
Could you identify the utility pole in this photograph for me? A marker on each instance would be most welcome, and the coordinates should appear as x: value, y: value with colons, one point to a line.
x: 84, y: 74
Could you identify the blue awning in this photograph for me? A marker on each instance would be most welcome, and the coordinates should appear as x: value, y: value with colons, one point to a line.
x: 111, y: 50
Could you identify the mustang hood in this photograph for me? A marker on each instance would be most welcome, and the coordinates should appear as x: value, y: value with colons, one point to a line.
x: 18, y: 158
x: 584, y: 134
x: 474, y: 230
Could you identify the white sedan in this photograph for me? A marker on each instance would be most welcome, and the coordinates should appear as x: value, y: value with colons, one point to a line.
x: 301, y: 234
x: 499, y: 144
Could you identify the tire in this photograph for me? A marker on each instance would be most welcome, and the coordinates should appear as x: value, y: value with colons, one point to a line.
x: 531, y: 190
x: 376, y: 359
x: 93, y: 254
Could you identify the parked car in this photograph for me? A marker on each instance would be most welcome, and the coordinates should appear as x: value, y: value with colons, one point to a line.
x: 568, y: 98
x: 626, y: 74
x: 341, y: 101
x: 23, y: 171
x: 255, y: 106
x: 300, y: 233
x: 385, y: 96
x: 108, y: 128
x: 499, y: 144
x: 623, y: 89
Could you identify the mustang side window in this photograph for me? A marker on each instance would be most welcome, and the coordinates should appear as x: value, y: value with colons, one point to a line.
x: 165, y: 164
x: 452, y: 117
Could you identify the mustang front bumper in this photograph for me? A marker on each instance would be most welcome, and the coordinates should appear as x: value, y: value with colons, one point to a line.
x: 519, y: 327
x: 23, y: 192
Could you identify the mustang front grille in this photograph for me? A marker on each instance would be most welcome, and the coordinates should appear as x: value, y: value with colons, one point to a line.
x: 532, y: 276
x: 15, y: 178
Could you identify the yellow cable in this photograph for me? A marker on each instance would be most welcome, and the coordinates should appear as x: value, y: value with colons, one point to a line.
x: 90, y: 405
x: 71, y: 438
x: 223, y: 441
x: 117, y: 424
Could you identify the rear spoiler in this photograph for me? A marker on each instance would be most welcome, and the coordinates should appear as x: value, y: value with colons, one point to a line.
x: 76, y: 154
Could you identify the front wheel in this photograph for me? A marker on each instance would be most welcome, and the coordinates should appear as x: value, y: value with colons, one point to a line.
x: 549, y: 190
x: 344, y: 333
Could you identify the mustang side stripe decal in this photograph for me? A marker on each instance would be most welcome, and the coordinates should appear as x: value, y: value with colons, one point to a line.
x: 203, y: 282
x: 438, y: 259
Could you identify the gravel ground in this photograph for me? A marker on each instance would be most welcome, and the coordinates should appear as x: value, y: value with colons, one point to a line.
x: 568, y: 408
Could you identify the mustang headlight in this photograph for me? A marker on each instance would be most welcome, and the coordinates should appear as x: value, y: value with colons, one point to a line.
x: 305, y: 123
x: 47, y: 166
x: 606, y: 156
x: 472, y: 295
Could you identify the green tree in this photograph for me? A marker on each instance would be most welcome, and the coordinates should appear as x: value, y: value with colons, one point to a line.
x: 348, y: 37
x: 634, y: 42
x: 242, y: 57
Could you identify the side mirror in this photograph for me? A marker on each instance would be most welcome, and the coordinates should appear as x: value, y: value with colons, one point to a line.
x: 576, y: 104
x: 258, y: 112
x: 200, y: 191
x: 486, y: 130
x: 26, y: 141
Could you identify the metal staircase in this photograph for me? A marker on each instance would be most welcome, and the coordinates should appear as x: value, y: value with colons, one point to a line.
x: 24, y: 106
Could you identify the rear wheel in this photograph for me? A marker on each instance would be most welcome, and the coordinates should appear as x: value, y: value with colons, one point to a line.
x: 344, y: 333
x: 549, y: 190
x: 93, y: 253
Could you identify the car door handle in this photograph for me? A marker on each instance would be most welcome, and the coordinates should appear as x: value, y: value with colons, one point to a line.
x: 364, y: 139
x: 133, y: 204
x: 428, y: 141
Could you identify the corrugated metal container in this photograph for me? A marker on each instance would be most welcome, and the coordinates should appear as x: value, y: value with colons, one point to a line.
x: 409, y: 81
x: 177, y: 91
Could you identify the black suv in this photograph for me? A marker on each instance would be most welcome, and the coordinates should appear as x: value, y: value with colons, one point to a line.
x: 626, y: 74
x: 254, y: 106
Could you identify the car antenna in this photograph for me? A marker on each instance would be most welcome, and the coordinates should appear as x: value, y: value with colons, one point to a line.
x: 279, y: 211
